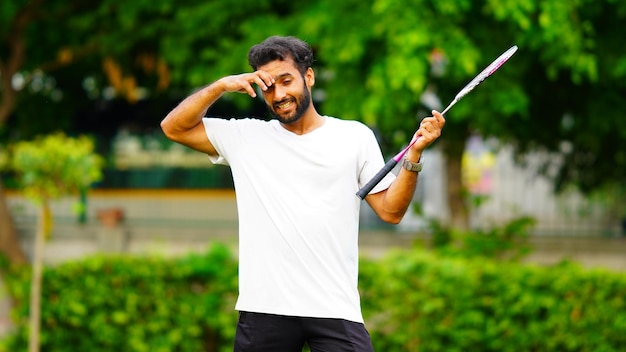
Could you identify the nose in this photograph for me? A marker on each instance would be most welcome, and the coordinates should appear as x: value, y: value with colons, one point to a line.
x: 279, y: 92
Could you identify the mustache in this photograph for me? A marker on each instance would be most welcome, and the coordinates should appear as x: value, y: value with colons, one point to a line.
x: 282, y: 101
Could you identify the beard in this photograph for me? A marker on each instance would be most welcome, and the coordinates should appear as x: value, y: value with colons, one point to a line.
x: 303, y: 101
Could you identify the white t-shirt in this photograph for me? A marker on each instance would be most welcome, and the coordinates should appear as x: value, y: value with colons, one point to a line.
x: 298, y: 212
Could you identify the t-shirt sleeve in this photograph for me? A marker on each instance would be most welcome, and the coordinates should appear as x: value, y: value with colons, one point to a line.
x: 221, y: 133
x: 370, y: 162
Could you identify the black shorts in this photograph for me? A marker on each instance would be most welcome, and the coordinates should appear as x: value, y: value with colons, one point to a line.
x: 277, y: 333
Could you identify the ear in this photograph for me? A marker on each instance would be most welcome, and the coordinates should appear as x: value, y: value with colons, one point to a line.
x: 309, y: 77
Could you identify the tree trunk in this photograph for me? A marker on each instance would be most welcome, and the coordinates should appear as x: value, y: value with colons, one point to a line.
x: 9, y: 65
x: 456, y: 195
x: 36, y: 280
x: 9, y: 241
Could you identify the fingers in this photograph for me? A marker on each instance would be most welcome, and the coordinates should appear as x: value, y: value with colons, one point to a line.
x: 243, y: 83
x: 247, y: 88
x: 440, y: 119
x: 435, y: 122
x: 429, y: 130
x: 263, y: 79
x: 432, y: 125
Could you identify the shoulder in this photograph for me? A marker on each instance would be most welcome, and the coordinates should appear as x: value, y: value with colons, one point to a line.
x: 232, y: 129
x: 236, y: 120
x: 353, y: 126
x: 234, y: 123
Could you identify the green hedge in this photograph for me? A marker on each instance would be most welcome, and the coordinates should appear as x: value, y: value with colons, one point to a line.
x: 130, y: 303
x: 416, y: 301
x: 412, y: 301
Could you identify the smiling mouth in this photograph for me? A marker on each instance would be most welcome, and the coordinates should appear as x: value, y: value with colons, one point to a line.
x: 284, y: 105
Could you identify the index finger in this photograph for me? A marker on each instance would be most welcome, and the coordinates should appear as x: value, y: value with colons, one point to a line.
x: 263, y: 79
x: 440, y: 119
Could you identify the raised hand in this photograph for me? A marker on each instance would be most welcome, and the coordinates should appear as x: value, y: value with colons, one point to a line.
x: 428, y: 131
x: 243, y: 83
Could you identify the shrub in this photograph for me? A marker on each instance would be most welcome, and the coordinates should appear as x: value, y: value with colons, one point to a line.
x: 124, y: 303
x: 508, y: 242
x: 412, y: 301
x: 417, y: 301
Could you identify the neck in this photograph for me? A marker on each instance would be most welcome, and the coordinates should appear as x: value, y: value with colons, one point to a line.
x: 309, y: 122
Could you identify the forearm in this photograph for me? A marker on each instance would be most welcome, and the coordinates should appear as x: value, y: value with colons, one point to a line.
x: 191, y: 110
x: 392, y: 204
x: 399, y: 195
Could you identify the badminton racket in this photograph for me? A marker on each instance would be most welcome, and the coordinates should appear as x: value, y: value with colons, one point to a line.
x: 488, y: 71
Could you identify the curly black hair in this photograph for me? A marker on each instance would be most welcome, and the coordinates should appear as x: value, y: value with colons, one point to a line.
x: 281, y: 48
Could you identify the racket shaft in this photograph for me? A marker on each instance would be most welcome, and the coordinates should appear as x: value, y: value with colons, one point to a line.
x: 376, y: 179
x: 489, y: 70
x: 449, y: 106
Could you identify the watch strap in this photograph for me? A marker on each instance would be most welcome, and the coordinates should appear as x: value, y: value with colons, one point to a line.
x: 411, y: 166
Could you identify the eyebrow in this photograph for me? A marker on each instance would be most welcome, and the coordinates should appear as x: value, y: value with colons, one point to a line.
x: 281, y: 76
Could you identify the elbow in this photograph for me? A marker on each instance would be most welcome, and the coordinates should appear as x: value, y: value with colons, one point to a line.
x: 395, y: 220
x: 167, y: 129
x: 389, y: 212
x: 392, y: 218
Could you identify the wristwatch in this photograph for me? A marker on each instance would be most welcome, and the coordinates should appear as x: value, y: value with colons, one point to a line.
x: 411, y: 166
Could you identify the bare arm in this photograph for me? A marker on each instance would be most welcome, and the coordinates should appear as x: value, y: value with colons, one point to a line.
x: 184, y: 123
x: 391, y: 204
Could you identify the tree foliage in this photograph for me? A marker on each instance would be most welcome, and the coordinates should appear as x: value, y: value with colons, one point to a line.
x: 56, y: 166
x: 561, y: 93
x: 49, y: 168
x: 570, y: 67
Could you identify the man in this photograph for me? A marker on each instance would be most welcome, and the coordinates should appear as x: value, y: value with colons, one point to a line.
x: 295, y: 178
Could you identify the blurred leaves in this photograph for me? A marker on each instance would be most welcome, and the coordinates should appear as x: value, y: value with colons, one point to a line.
x: 421, y: 301
x: 506, y: 242
x: 134, y: 303
x: 53, y: 166
x: 412, y: 301
x: 562, y: 93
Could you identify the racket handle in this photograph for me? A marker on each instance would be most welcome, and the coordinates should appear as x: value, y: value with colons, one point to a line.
x: 376, y: 179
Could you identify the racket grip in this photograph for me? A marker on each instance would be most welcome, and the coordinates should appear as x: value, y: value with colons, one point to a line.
x: 376, y: 179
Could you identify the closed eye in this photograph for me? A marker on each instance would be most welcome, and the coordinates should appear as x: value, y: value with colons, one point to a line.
x: 284, y: 79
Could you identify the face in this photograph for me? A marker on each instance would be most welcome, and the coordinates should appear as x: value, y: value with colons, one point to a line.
x: 289, y: 97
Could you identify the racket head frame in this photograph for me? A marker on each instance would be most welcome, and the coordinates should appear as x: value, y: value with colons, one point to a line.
x: 488, y: 71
